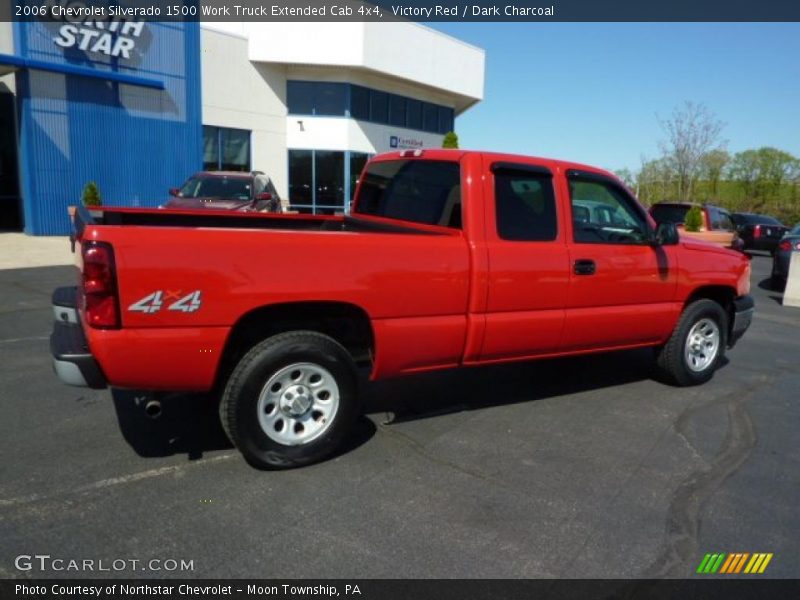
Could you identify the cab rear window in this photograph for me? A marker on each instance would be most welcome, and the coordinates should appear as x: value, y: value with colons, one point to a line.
x: 421, y: 191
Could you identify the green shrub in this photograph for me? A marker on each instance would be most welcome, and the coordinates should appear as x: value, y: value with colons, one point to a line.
x: 694, y: 219
x: 91, y: 195
x: 450, y: 140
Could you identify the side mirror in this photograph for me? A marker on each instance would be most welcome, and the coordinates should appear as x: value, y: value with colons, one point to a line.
x: 666, y: 235
x: 174, y: 192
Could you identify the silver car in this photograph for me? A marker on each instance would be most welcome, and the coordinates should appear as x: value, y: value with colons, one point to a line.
x: 780, y: 260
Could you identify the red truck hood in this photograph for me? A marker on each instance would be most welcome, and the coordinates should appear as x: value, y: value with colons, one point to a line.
x: 212, y: 203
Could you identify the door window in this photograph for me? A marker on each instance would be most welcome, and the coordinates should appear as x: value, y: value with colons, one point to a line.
x: 525, y: 206
x: 603, y: 214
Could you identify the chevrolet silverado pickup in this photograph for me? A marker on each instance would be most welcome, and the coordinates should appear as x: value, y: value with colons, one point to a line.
x: 449, y: 258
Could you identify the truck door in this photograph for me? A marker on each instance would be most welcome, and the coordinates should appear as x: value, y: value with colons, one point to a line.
x: 528, y: 262
x: 622, y: 288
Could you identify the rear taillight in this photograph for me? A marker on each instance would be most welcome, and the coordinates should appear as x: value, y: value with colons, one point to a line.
x: 787, y: 245
x: 757, y: 231
x: 100, y: 285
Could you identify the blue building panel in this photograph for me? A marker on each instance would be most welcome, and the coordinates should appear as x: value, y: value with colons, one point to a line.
x: 134, y: 141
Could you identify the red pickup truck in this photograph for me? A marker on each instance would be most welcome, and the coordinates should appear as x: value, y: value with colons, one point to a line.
x: 449, y: 258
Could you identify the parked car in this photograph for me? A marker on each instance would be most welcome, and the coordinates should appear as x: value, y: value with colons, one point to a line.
x: 783, y: 253
x: 759, y: 232
x: 226, y: 190
x: 717, y: 227
x: 449, y: 258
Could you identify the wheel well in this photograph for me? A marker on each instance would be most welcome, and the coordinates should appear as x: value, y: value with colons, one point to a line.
x: 721, y: 294
x: 346, y: 323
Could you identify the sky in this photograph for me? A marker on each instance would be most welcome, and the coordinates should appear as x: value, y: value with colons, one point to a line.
x: 594, y: 92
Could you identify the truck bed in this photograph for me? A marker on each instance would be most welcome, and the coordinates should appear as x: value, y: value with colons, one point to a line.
x: 237, y: 220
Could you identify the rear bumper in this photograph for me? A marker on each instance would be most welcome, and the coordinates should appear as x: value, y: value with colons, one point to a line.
x: 72, y: 360
x: 743, y: 309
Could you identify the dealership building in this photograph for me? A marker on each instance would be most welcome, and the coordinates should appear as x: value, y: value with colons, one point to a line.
x: 138, y: 106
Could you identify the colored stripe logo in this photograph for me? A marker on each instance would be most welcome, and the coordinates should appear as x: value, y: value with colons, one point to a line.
x: 734, y: 563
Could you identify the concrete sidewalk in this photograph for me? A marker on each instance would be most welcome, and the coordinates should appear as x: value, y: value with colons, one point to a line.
x: 20, y: 251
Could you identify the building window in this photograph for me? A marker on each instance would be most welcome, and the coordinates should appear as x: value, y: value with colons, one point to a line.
x: 320, y: 98
x: 357, y: 162
x: 414, y: 114
x: 359, y: 102
x: 301, y: 196
x: 323, y: 98
x: 300, y: 97
x: 323, y: 181
x: 226, y: 149
x: 397, y: 111
x: 445, y: 119
x: 430, y: 117
x: 379, y: 107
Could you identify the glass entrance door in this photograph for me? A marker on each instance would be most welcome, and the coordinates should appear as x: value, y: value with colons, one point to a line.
x: 10, y: 213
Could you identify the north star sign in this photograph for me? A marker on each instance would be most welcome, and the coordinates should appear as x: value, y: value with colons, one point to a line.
x: 113, y: 38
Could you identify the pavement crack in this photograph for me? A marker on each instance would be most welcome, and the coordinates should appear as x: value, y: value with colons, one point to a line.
x: 683, y: 518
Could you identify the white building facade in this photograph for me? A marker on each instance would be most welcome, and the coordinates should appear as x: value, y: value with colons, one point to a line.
x: 308, y: 103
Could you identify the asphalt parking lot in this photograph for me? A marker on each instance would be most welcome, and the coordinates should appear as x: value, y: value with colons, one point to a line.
x: 568, y: 468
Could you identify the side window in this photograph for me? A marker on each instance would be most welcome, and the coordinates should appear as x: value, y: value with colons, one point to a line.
x: 714, y: 218
x: 604, y: 214
x: 725, y: 221
x: 258, y: 185
x: 525, y: 206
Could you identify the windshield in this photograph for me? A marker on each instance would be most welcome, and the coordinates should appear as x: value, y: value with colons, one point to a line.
x: 757, y: 219
x: 795, y: 231
x: 669, y: 213
x: 216, y: 187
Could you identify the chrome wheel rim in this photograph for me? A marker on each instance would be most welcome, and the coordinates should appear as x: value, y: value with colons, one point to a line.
x: 298, y: 404
x: 702, y: 345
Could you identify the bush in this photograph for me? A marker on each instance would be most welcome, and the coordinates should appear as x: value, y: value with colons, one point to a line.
x: 694, y: 219
x: 450, y: 140
x: 91, y: 195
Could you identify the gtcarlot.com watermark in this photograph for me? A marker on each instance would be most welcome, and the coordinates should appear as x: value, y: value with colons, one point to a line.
x: 46, y: 563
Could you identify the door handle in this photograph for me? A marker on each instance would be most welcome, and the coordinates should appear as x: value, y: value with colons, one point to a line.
x: 584, y: 266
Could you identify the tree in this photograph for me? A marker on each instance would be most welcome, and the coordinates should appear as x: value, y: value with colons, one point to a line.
x: 692, y: 131
x: 450, y: 140
x: 627, y: 177
x: 761, y: 174
x: 655, y: 181
x: 91, y: 195
x: 712, y: 165
x: 694, y: 219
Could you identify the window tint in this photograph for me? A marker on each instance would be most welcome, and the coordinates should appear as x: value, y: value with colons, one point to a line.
x: 445, y: 119
x: 603, y: 214
x: 225, y: 149
x: 414, y: 113
x: 430, y: 117
x: 397, y: 111
x: 422, y: 191
x: 379, y: 106
x: 357, y: 162
x: 300, y: 97
x: 300, y: 178
x: 359, y: 102
x: 330, y: 99
x: 525, y: 206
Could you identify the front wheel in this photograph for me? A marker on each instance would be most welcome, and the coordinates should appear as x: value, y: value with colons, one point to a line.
x: 291, y: 400
x: 697, y: 344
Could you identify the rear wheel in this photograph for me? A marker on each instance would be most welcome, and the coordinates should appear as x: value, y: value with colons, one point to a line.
x: 291, y: 400
x: 697, y: 344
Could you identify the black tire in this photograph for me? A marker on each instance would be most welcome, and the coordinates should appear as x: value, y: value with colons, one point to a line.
x: 240, y: 399
x: 671, y: 360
